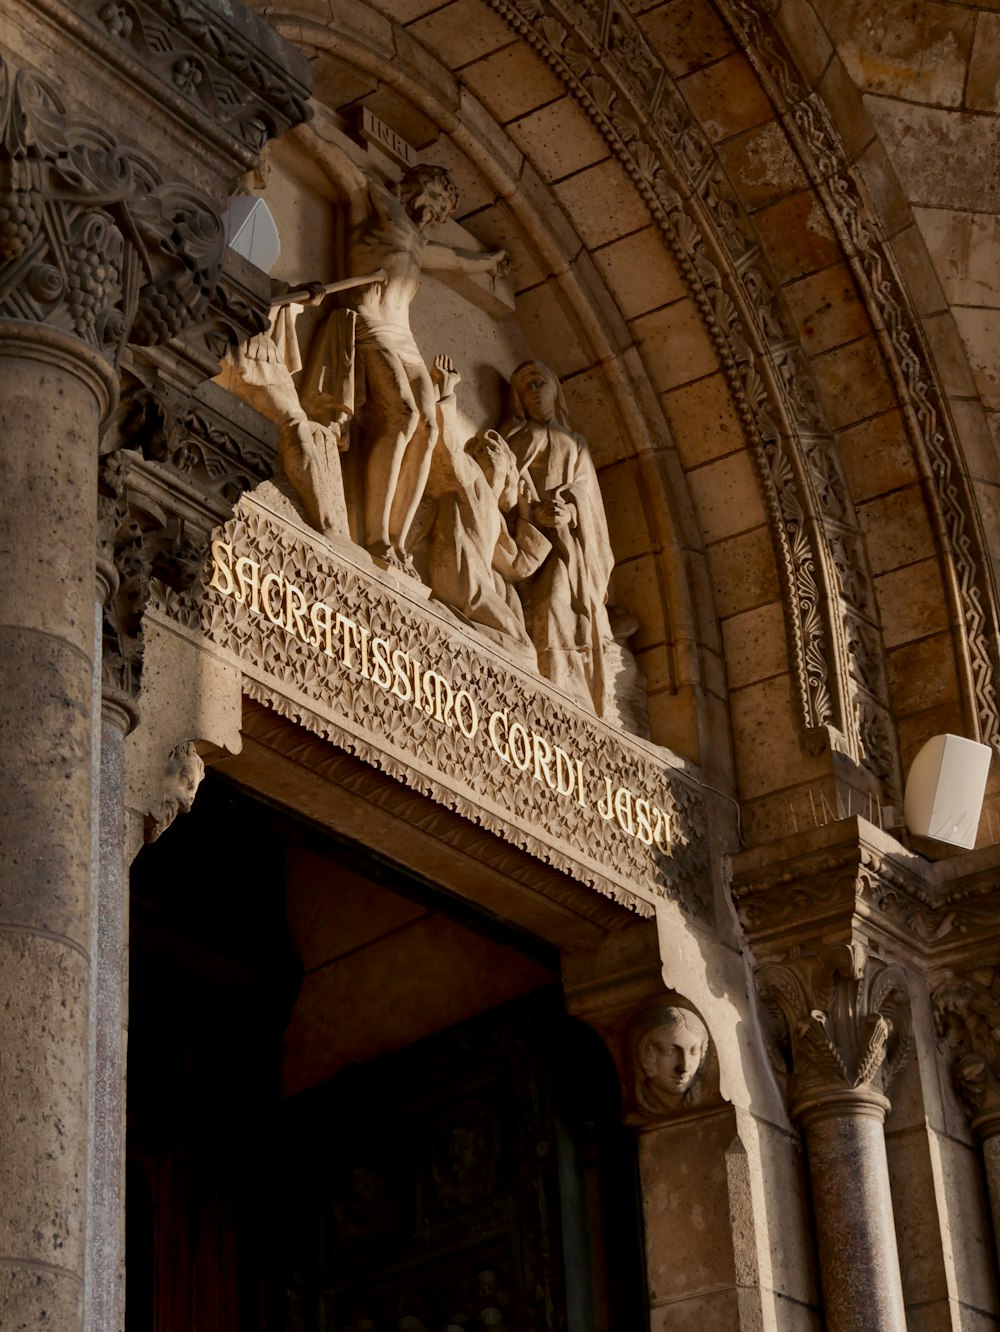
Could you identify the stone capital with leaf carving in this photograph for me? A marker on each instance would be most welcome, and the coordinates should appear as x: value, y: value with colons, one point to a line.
x: 967, y: 1017
x: 839, y: 1027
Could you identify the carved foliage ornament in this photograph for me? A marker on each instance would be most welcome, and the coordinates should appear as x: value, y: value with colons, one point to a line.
x: 967, y: 1015
x: 91, y: 241
x: 899, y: 329
x: 837, y: 1021
x: 245, y: 90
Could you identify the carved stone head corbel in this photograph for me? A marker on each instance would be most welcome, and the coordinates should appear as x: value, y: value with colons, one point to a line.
x: 668, y: 1051
x: 181, y: 778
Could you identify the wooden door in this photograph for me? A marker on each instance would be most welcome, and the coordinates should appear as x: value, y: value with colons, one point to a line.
x: 425, y: 1188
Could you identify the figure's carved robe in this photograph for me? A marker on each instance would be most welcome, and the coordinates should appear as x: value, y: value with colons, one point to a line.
x: 475, y: 556
x: 564, y: 601
x: 260, y: 373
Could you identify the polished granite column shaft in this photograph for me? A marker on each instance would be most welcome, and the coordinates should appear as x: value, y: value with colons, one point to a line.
x: 855, y: 1232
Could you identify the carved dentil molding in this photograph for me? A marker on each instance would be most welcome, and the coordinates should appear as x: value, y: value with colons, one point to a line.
x: 838, y: 1022
x: 92, y: 241
x: 967, y: 1017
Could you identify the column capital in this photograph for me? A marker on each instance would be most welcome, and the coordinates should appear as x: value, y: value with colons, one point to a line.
x: 93, y: 241
x: 839, y: 1027
x: 967, y: 1016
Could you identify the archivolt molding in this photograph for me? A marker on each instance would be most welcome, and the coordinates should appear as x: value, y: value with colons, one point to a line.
x: 974, y: 604
x: 603, y: 57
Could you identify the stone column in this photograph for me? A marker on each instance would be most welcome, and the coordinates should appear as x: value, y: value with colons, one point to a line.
x: 105, y: 1253
x: 841, y: 1023
x: 967, y: 1014
x: 55, y: 392
x: 849, y: 1180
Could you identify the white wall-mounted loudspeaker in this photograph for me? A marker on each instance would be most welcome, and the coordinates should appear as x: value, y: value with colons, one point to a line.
x: 251, y: 232
x: 945, y: 789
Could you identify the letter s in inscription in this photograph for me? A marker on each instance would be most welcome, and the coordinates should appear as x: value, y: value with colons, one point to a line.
x: 401, y: 667
x: 381, y: 675
x: 644, y: 827
x: 222, y: 574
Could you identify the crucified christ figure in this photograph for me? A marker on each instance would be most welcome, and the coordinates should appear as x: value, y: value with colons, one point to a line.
x: 390, y: 228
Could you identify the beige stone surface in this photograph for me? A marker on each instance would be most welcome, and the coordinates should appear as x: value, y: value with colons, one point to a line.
x: 755, y: 645
x: 602, y: 203
x: 592, y: 409
x: 888, y: 52
x: 461, y: 32
x: 35, y: 1298
x: 545, y: 319
x: 512, y: 81
x: 640, y: 271
x: 980, y: 333
x: 911, y: 603
x: 743, y: 571
x: 43, y: 1023
x: 765, y: 738
x: 726, y: 97
x: 689, y: 1200
x: 982, y: 91
x: 763, y: 164
x: 827, y: 309
x: 726, y: 494
x: 674, y: 345
x: 207, y: 708
x: 922, y: 674
x: 963, y: 245
x: 853, y: 383
x: 944, y: 159
x: 896, y: 532
x: 703, y: 420
x: 686, y: 34
x: 798, y: 235
x: 877, y: 456
x: 558, y: 139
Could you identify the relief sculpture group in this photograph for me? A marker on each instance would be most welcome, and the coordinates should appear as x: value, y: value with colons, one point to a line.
x: 507, y: 527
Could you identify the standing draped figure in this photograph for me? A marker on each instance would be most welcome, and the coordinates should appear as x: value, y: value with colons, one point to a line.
x: 564, y: 600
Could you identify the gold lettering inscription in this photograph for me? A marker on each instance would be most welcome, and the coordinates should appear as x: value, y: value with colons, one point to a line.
x: 222, y: 573
x: 269, y: 594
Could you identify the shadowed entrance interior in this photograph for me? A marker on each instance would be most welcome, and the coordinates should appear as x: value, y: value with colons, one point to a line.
x: 355, y: 1101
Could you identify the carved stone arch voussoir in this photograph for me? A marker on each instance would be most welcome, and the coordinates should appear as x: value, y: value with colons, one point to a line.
x: 841, y: 189
x: 607, y: 64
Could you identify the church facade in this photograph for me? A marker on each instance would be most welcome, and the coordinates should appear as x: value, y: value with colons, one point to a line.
x: 499, y: 495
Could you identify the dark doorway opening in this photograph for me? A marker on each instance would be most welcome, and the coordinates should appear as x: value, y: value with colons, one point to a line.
x: 355, y: 1100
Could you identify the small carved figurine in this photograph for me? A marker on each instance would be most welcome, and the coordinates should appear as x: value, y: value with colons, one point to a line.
x: 564, y: 601
x: 669, y: 1055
